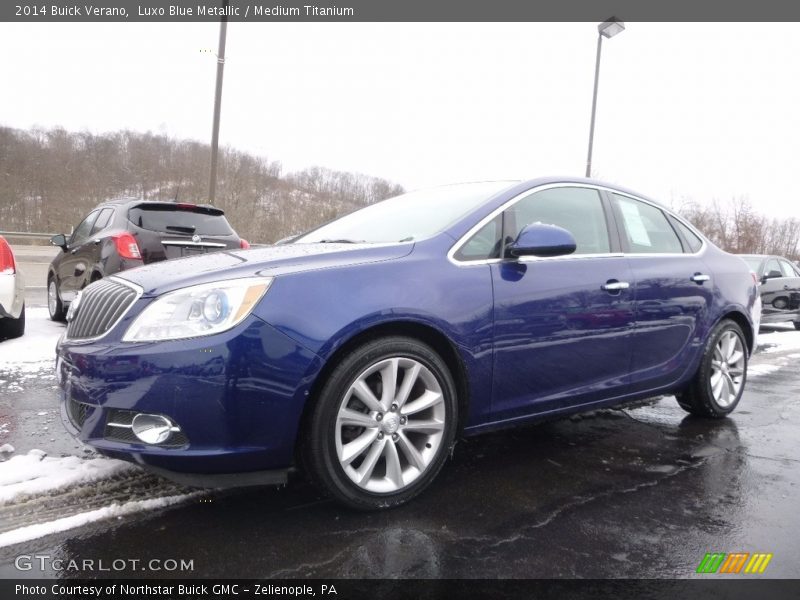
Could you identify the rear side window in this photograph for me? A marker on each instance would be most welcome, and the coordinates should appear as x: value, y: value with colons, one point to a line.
x: 83, y: 230
x: 773, y: 268
x: 788, y: 269
x: 102, y: 219
x: 578, y: 210
x: 691, y: 238
x: 166, y: 219
x: 646, y: 228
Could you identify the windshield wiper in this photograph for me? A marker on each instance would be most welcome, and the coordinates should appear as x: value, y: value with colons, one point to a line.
x: 181, y: 228
x: 342, y: 241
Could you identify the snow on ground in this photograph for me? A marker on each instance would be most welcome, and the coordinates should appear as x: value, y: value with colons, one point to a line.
x: 31, y: 532
x: 37, y: 473
x: 32, y: 354
x: 762, y: 369
x: 782, y: 340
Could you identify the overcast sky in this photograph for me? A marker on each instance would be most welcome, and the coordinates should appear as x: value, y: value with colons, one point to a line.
x: 696, y: 111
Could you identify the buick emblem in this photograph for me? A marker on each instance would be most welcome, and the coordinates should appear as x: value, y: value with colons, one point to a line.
x: 196, y: 238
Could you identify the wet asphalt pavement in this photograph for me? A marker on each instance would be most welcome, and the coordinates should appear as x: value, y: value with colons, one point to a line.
x: 635, y: 492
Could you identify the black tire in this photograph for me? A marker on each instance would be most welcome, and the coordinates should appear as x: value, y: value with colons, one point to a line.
x: 699, y: 398
x: 319, y: 448
x: 13, y: 328
x: 57, y: 312
x: 797, y: 325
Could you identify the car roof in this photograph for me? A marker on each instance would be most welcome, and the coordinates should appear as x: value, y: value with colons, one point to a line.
x: 129, y: 200
x: 596, y: 182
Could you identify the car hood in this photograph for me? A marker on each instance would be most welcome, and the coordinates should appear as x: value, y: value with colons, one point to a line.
x: 165, y: 276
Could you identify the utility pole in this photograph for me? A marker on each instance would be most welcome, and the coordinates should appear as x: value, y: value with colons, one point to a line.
x: 223, y: 31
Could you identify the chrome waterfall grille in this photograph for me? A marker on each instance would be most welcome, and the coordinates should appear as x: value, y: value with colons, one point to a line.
x: 98, y: 308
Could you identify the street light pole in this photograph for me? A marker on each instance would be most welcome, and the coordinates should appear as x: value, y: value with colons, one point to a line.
x: 223, y: 31
x: 608, y: 29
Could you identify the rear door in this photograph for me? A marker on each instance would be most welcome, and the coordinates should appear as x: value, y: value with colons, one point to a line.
x: 165, y: 231
x: 673, y: 290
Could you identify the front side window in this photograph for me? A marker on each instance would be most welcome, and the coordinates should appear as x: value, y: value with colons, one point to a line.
x: 788, y: 269
x: 484, y: 244
x: 82, y: 231
x: 773, y: 269
x: 646, y: 228
x: 578, y: 210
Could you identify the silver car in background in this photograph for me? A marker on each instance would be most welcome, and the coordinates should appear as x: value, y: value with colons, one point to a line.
x: 12, y: 294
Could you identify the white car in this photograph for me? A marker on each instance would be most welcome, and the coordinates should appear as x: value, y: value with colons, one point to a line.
x: 12, y: 294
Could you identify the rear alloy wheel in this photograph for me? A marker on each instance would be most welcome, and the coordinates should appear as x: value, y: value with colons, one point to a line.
x: 13, y: 328
x: 54, y: 305
x: 719, y: 383
x: 384, y: 424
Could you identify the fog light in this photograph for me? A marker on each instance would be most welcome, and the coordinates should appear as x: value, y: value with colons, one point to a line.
x: 153, y: 429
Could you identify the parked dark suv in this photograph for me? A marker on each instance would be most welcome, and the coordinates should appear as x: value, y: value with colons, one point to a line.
x: 780, y: 288
x: 124, y: 233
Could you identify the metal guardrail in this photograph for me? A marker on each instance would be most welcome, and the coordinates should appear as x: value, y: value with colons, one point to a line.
x: 46, y: 237
x: 27, y: 234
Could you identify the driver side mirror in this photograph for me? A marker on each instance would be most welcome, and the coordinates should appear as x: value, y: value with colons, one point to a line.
x: 538, y: 239
x: 59, y: 240
x: 772, y: 275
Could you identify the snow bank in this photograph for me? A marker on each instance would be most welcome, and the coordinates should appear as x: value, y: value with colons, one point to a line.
x: 31, y: 532
x: 35, y: 473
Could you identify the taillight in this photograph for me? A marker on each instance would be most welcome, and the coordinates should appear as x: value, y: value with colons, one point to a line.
x: 244, y: 244
x: 7, y: 264
x: 127, y: 246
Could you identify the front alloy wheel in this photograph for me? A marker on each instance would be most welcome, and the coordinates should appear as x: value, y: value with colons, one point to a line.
x: 390, y: 424
x: 383, y: 423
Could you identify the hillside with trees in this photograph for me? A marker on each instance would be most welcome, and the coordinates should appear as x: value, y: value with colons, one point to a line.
x: 51, y: 178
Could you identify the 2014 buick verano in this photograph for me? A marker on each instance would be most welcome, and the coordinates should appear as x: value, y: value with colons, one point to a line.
x: 363, y: 348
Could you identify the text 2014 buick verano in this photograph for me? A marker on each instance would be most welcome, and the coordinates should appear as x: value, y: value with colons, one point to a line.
x: 362, y: 349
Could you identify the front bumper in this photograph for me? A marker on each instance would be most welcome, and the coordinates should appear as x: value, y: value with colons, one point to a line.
x: 237, y: 398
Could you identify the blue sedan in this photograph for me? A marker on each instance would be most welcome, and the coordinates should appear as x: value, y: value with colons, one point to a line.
x: 361, y: 350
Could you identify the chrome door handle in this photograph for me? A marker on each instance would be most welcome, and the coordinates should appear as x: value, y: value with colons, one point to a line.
x: 699, y: 278
x: 615, y: 286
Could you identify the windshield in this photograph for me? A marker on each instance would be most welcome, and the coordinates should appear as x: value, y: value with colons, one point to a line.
x: 413, y: 216
x: 753, y: 262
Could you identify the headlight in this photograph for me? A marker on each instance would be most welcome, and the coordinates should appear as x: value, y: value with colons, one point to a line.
x: 198, y: 310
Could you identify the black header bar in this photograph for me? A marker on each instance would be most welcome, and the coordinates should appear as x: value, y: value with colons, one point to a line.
x: 405, y: 10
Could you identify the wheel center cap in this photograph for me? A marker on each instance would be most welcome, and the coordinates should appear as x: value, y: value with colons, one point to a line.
x: 390, y: 423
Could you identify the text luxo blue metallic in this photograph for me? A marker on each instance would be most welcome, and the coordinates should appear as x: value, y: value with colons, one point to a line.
x: 362, y: 349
